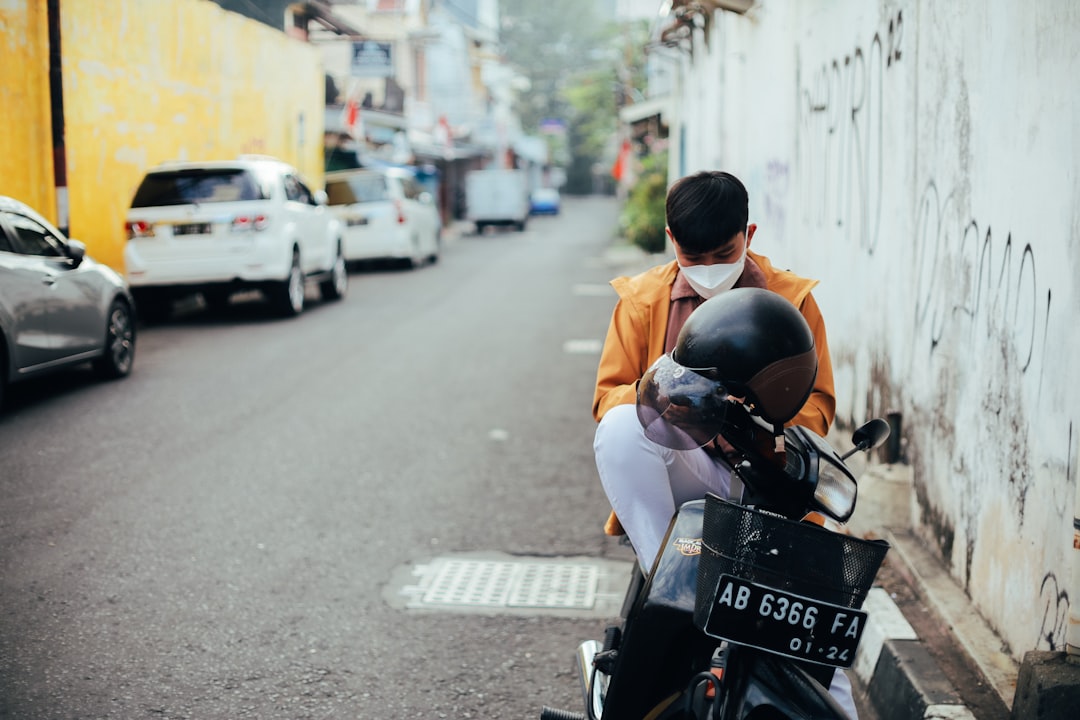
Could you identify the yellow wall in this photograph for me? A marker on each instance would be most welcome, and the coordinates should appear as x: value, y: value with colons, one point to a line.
x: 26, y: 171
x: 152, y: 80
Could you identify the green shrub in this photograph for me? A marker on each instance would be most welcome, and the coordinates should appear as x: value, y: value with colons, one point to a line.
x: 642, y: 218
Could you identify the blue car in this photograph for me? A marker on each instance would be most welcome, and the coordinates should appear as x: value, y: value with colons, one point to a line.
x: 544, y: 201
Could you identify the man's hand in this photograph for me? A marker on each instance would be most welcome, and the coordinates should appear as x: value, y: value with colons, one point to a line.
x: 718, y: 447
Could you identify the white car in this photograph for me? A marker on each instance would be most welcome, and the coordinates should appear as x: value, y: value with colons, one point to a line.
x: 219, y: 227
x: 387, y: 215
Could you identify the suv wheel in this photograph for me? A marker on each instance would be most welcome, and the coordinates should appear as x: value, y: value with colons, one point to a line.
x: 416, y: 258
x: 334, y: 287
x: 288, y: 295
x: 434, y: 256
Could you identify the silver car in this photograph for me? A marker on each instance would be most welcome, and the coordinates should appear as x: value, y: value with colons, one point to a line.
x: 58, y: 307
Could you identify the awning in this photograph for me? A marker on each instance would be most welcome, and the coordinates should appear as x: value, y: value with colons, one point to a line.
x: 436, y: 151
x: 646, y: 109
x: 334, y: 119
x: 319, y: 11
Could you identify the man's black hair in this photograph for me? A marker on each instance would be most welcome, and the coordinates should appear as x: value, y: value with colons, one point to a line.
x: 706, y: 210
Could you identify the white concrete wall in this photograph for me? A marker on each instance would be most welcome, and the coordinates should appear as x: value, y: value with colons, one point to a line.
x: 920, y: 158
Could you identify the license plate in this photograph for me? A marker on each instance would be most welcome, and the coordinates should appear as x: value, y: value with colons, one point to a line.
x: 780, y: 622
x: 192, y: 229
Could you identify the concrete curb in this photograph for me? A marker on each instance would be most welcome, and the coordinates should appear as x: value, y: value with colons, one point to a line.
x: 901, y: 678
x: 975, y: 638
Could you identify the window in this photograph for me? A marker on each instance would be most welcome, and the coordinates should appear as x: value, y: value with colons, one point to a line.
x: 33, y: 238
x: 296, y: 191
x: 411, y: 187
x: 359, y: 188
x: 184, y: 187
x: 5, y: 244
x: 306, y: 196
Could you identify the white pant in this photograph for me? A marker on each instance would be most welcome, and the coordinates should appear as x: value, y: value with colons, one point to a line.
x: 645, y: 483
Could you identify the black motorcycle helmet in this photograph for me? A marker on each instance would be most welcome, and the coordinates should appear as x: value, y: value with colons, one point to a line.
x: 747, y: 350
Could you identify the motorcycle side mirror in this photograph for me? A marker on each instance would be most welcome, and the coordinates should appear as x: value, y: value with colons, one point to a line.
x: 868, y: 437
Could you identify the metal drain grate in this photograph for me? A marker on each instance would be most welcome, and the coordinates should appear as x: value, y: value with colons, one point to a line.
x: 490, y: 583
x: 494, y: 583
x: 559, y: 586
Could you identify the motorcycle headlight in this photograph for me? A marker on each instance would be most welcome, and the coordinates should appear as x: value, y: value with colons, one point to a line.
x: 836, y: 489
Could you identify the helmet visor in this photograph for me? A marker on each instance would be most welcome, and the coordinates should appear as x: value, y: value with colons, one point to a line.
x: 678, y: 408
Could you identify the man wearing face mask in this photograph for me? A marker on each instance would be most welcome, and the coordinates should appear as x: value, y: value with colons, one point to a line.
x: 707, y: 223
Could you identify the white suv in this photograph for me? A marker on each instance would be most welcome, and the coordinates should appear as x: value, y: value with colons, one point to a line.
x: 218, y: 227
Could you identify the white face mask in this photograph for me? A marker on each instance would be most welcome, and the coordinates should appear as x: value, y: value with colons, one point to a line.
x: 709, y: 280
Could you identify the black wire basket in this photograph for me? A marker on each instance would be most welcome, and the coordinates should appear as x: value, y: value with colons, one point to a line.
x: 796, y: 557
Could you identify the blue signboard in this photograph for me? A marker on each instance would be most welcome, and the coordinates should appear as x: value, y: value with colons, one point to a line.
x: 553, y: 126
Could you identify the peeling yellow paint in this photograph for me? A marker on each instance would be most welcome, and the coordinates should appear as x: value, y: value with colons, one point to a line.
x: 176, y: 79
x: 146, y: 82
x: 26, y: 169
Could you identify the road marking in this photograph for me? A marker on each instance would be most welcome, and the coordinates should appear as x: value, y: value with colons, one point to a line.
x: 593, y: 290
x: 583, y: 347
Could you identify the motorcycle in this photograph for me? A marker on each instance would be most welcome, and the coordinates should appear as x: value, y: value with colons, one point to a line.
x: 751, y: 606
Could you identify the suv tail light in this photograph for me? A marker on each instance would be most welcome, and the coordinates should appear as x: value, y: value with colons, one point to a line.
x: 400, y: 212
x: 139, y: 228
x: 242, y: 223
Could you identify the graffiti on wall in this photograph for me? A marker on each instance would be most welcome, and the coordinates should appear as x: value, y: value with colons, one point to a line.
x: 1054, y: 603
x: 841, y: 116
x: 1001, y: 293
x: 973, y: 287
x: 1053, y: 599
x: 977, y: 289
x: 776, y: 182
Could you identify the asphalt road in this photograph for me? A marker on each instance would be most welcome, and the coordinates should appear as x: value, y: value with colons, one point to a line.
x: 215, y: 536
x: 224, y: 533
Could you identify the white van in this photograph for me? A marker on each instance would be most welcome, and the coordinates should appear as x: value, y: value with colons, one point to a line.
x: 497, y: 197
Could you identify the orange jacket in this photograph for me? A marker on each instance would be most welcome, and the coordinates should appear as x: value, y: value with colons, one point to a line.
x: 635, y: 338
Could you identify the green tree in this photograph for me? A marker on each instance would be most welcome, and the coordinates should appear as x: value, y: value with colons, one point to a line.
x: 643, y: 217
x: 580, y: 69
x: 548, y: 42
x: 592, y: 124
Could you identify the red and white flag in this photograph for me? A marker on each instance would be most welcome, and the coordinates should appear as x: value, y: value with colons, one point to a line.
x: 351, y: 118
